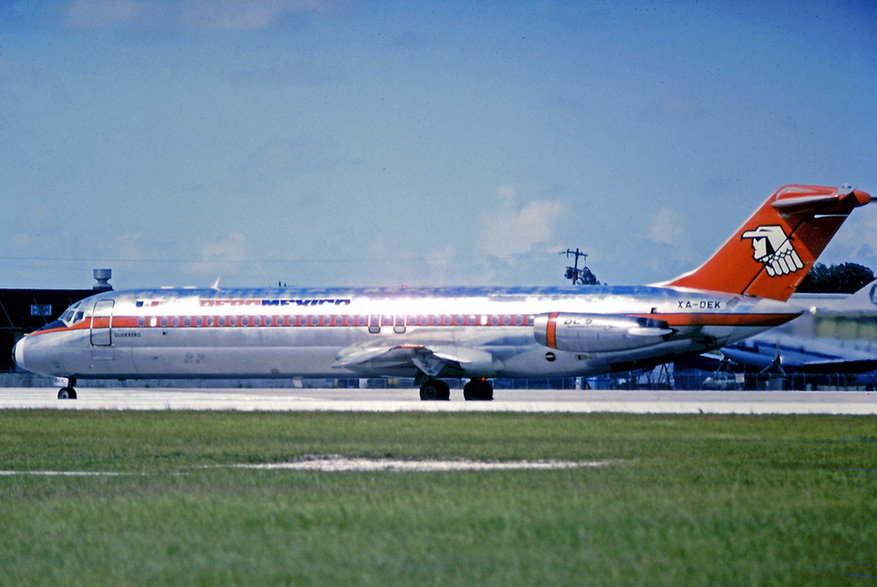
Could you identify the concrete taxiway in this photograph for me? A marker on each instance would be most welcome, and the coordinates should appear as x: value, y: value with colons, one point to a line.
x: 406, y: 400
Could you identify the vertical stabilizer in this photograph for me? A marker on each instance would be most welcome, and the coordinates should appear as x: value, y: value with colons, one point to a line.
x: 772, y: 252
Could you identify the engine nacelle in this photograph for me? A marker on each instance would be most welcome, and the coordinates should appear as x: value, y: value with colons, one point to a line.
x: 595, y: 333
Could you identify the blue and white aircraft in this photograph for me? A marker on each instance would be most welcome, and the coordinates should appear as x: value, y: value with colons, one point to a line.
x: 430, y: 334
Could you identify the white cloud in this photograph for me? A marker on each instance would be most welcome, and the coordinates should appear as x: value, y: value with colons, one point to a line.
x: 129, y: 246
x: 859, y: 231
x: 211, y: 14
x: 88, y: 14
x: 669, y: 227
x: 234, y: 247
x: 507, y: 194
x: 248, y: 14
x: 855, y: 241
x: 442, y: 264
x: 224, y: 256
x: 673, y: 108
x: 512, y: 229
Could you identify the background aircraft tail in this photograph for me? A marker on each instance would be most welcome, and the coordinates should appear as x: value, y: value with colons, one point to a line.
x: 772, y: 252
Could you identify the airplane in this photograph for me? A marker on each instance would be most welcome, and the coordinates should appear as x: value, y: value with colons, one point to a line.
x: 798, y: 349
x: 435, y: 333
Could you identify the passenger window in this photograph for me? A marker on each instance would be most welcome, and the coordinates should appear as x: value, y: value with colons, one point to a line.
x: 399, y: 323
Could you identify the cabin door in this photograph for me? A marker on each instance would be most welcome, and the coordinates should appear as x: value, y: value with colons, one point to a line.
x: 102, y: 323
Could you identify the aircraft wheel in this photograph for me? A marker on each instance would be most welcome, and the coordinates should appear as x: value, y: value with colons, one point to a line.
x: 435, y: 390
x: 478, y: 390
x: 66, y: 393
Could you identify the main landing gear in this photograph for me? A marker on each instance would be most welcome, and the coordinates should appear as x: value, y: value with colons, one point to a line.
x: 67, y: 392
x: 435, y: 389
x: 475, y: 390
x: 478, y: 389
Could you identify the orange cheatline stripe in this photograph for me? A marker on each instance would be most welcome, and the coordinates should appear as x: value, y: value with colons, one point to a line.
x: 705, y: 319
x: 673, y: 319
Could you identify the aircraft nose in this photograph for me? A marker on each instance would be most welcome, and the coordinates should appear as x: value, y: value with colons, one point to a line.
x: 18, y: 353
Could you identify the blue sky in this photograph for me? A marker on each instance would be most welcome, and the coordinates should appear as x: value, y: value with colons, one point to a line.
x: 320, y: 142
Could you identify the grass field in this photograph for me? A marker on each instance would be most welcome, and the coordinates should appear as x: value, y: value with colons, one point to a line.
x: 729, y: 500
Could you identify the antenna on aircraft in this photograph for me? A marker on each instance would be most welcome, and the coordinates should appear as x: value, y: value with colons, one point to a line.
x: 216, y: 283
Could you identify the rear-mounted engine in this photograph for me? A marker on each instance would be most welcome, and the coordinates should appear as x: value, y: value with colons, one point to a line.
x: 596, y: 333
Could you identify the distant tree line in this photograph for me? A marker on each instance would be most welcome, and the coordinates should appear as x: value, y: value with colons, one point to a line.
x: 843, y: 278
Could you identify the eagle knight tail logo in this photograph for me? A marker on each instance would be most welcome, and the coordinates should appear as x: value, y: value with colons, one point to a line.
x: 772, y: 247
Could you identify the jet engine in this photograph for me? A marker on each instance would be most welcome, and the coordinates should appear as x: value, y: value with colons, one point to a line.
x: 595, y: 333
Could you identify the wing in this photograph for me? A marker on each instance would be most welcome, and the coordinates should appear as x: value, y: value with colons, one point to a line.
x: 801, y: 354
x: 448, y: 360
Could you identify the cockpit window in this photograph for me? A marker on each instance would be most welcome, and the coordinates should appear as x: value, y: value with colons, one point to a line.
x: 72, y: 315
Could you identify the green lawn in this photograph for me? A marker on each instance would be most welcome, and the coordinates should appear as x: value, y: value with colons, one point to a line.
x: 684, y: 500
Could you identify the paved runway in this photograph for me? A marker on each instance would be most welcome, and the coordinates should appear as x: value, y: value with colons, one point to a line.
x: 406, y: 400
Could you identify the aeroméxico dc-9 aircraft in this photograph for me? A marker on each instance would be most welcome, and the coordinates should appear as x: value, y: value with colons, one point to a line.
x: 475, y: 333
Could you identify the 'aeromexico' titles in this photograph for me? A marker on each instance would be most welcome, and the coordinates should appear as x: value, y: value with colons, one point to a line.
x: 277, y: 302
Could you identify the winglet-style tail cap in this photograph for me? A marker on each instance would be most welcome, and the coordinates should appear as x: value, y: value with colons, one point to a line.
x: 774, y: 250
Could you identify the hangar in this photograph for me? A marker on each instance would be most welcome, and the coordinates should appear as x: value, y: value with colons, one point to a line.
x: 25, y: 310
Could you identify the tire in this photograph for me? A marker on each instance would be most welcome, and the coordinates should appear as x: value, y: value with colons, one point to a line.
x: 478, y: 390
x: 66, y: 393
x: 435, y: 390
x: 444, y: 391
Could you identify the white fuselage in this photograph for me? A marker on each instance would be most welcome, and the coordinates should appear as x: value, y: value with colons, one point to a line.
x: 460, y: 332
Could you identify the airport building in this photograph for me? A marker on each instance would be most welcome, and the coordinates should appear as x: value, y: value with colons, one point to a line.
x: 26, y: 310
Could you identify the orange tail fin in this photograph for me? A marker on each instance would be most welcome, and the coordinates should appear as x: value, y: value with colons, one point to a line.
x: 772, y: 252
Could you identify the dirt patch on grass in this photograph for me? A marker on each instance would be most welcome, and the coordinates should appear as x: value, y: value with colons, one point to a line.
x: 337, y: 463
